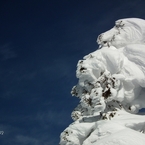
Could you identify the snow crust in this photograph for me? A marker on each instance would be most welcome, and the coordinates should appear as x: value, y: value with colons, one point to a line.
x: 111, y: 89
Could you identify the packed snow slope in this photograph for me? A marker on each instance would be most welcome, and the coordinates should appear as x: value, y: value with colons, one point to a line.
x: 111, y: 89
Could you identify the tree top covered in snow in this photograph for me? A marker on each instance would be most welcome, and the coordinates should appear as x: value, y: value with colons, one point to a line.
x: 111, y: 89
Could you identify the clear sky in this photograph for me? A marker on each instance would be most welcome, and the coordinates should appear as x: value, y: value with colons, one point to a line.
x: 41, y: 42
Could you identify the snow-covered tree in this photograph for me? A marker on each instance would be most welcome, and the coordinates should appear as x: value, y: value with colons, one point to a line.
x: 111, y: 89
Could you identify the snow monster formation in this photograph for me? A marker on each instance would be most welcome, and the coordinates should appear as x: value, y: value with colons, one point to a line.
x: 111, y: 89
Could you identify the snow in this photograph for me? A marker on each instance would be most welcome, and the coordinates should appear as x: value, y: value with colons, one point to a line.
x: 122, y: 137
x: 111, y: 89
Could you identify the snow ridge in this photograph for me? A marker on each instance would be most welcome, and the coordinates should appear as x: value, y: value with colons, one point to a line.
x: 111, y: 89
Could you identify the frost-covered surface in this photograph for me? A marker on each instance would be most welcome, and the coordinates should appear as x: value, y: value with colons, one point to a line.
x: 111, y: 89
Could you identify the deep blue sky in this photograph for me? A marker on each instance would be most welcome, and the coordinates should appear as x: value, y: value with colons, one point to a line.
x: 41, y: 42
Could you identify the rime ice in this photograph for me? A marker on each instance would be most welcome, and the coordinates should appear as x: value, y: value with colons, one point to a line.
x: 111, y: 89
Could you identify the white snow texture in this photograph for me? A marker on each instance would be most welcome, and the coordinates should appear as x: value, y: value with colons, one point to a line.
x: 111, y: 89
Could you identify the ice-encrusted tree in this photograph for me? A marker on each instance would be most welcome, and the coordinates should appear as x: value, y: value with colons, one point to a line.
x: 111, y: 89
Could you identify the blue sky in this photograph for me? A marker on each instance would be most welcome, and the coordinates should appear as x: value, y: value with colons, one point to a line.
x: 41, y: 43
